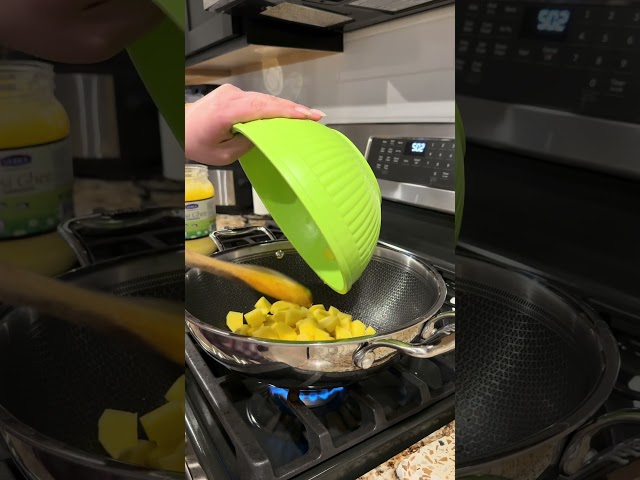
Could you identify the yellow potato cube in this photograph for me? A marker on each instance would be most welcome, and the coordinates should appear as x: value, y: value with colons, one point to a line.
x: 369, y: 330
x: 154, y: 456
x: 329, y: 323
x: 118, y: 431
x: 243, y: 330
x: 305, y: 310
x: 139, y: 454
x: 280, y: 316
x: 346, y: 323
x: 293, y: 316
x: 281, y: 305
x: 307, y: 321
x: 308, y: 329
x: 265, y: 311
x: 266, y: 332
x: 321, y: 335
x: 234, y: 320
x: 333, y: 311
x: 342, y: 333
x: 255, y: 318
x: 174, y: 461
x: 320, y: 314
x: 318, y: 306
x: 176, y: 391
x: 250, y: 332
x: 263, y: 303
x: 304, y: 337
x: 357, y: 328
x: 165, y: 424
x: 284, y: 331
x: 344, y: 315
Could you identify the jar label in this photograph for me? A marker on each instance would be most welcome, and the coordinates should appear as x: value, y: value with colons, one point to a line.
x: 199, y: 218
x: 36, y: 188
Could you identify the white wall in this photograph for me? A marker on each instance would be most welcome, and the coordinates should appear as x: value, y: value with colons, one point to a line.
x: 398, y: 71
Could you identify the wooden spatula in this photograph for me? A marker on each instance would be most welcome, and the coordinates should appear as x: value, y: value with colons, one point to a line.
x: 155, y: 324
x: 264, y: 280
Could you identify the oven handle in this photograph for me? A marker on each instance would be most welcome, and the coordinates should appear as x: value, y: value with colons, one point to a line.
x: 231, y: 232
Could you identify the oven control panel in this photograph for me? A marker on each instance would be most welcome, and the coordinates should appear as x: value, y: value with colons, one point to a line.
x: 422, y: 161
x: 415, y: 170
x: 578, y: 57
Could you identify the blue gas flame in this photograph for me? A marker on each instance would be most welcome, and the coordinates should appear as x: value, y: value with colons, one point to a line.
x: 309, y: 395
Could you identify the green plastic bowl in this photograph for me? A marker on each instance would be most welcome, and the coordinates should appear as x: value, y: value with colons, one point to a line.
x: 320, y: 190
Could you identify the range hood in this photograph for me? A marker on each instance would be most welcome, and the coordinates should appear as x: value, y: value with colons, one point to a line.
x: 344, y: 15
x: 255, y: 33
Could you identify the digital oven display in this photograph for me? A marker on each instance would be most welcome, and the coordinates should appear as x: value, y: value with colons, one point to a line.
x: 416, y: 147
x: 548, y: 23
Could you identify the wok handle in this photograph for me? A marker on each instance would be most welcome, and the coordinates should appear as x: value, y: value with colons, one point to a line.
x: 573, y: 463
x: 436, y: 341
x: 231, y: 232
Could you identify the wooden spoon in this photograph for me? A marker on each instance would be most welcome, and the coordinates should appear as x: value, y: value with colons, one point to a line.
x: 264, y: 280
x: 159, y: 327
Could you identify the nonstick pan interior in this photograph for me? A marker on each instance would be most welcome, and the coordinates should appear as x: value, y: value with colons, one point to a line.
x: 528, y: 359
x: 393, y: 292
x: 57, y: 377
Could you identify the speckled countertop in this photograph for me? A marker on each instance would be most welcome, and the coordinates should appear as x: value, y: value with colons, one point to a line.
x: 432, y: 458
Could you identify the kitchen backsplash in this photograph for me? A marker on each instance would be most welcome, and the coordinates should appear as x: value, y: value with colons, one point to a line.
x: 399, y: 71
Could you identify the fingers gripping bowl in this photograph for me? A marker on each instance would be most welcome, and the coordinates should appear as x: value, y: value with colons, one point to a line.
x: 396, y: 294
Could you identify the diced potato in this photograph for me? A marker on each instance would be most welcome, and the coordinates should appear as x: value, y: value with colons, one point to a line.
x: 281, y: 305
x: 118, y: 431
x: 342, y: 333
x: 164, y: 425
x: 252, y: 330
x: 265, y: 311
x: 176, y: 391
x: 321, y: 335
x: 305, y: 310
x: 153, y: 458
x: 266, y: 332
x: 263, y: 303
x: 313, y: 308
x: 234, y: 320
x: 280, y: 316
x: 329, y: 323
x: 304, y: 337
x: 138, y: 455
x: 369, y: 330
x: 345, y: 323
x: 243, y: 330
x: 344, y: 315
x: 255, y: 318
x: 320, y: 314
x: 174, y: 461
x: 357, y: 328
x: 293, y: 316
x: 284, y: 331
x: 333, y: 311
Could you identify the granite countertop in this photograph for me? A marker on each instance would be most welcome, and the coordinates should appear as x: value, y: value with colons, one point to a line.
x: 432, y: 458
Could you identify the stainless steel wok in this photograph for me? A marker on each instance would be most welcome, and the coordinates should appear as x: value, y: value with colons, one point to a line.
x: 397, y: 294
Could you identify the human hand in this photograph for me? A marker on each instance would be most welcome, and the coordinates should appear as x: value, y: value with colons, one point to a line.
x: 208, y: 122
x: 75, y: 31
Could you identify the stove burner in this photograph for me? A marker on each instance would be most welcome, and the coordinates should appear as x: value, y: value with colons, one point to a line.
x: 311, y: 398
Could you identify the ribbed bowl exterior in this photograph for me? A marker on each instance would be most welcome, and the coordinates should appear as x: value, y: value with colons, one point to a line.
x: 330, y: 179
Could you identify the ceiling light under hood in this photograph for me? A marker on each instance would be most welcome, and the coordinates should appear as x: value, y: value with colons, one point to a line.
x: 305, y: 15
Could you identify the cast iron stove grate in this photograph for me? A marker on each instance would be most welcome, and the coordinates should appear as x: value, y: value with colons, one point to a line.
x: 237, y: 431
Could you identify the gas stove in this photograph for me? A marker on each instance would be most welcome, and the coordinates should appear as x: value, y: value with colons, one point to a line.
x: 240, y: 429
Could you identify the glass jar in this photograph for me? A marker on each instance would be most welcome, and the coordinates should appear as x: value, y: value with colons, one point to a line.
x: 36, y: 164
x: 199, y: 204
